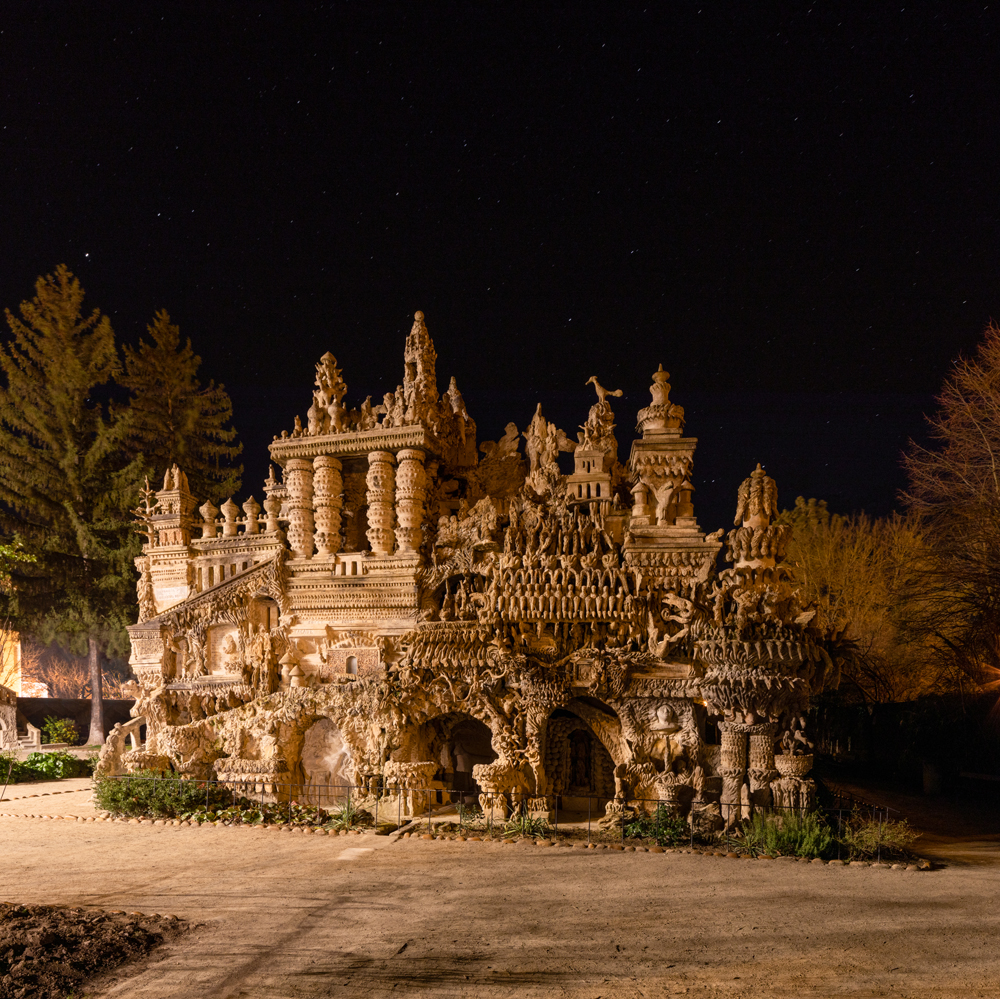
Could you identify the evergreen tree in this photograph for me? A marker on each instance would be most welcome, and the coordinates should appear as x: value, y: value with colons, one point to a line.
x: 65, y: 488
x: 176, y: 419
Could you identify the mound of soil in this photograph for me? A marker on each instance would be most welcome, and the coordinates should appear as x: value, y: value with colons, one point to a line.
x: 48, y: 952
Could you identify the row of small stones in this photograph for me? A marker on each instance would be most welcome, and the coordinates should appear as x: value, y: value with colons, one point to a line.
x: 660, y: 849
x: 480, y: 839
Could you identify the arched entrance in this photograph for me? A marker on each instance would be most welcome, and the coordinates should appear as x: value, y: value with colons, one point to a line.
x: 577, y: 764
x: 456, y: 742
x: 327, y: 765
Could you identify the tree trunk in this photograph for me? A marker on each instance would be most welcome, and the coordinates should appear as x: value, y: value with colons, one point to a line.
x: 96, y: 736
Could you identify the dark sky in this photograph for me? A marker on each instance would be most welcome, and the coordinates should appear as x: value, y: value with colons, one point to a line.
x: 795, y: 212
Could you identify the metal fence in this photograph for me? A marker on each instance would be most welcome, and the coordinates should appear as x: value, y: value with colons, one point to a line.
x: 604, y: 819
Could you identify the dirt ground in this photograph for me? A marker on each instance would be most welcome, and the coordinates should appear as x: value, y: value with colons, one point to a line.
x: 280, y: 915
x: 46, y: 952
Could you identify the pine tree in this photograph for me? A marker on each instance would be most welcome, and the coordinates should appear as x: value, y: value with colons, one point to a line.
x: 65, y: 487
x: 177, y: 420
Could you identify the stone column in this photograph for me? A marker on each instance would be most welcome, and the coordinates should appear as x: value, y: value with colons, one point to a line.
x: 381, y: 493
x: 299, y: 480
x: 732, y: 768
x: 411, y: 494
x: 328, y: 499
x: 761, y: 763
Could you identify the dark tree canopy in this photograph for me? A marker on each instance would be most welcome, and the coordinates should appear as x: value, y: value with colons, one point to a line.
x: 175, y: 419
x: 65, y: 483
x: 955, y: 486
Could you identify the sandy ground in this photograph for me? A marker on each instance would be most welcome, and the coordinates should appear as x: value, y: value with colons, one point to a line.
x: 295, y: 915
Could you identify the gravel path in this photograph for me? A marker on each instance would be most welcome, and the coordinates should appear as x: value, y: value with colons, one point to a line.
x: 296, y: 915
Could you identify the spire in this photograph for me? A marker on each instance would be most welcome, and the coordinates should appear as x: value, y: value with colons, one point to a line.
x: 420, y: 378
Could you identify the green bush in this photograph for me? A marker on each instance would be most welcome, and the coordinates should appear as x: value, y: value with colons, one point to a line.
x: 59, y: 730
x: 42, y: 766
x: 865, y: 836
x: 149, y: 792
x: 59, y: 764
x: 664, y: 826
x: 800, y: 834
x: 154, y: 794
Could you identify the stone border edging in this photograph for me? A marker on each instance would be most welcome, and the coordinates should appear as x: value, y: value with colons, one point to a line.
x: 922, y: 865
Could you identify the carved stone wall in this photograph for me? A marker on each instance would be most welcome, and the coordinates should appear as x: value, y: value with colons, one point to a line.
x: 394, y: 586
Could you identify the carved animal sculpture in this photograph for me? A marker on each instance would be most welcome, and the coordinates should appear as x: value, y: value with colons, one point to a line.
x: 602, y: 392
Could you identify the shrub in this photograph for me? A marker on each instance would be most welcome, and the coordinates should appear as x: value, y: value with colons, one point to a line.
x: 866, y: 836
x: 347, y: 816
x: 59, y: 730
x: 41, y: 766
x: 161, y: 795
x: 149, y: 792
x: 664, y: 826
x: 800, y: 834
x: 59, y: 764
x: 525, y: 825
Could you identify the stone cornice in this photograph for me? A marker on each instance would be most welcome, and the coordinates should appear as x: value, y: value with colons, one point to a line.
x: 355, y: 444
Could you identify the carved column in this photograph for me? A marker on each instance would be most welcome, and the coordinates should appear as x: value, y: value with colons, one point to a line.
x: 411, y: 494
x: 328, y: 499
x: 761, y: 763
x: 299, y: 480
x: 381, y: 493
x: 732, y: 768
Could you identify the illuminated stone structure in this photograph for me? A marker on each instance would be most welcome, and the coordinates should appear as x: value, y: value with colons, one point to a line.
x: 415, y: 609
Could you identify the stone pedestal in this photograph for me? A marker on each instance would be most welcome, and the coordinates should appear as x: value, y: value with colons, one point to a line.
x: 411, y: 494
x: 299, y: 481
x: 381, y: 482
x: 328, y: 500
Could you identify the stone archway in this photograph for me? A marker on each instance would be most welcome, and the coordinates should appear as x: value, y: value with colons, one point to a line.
x: 578, y: 765
x: 456, y: 743
x: 327, y: 765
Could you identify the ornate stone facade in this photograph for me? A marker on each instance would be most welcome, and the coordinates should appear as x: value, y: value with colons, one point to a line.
x: 413, y: 609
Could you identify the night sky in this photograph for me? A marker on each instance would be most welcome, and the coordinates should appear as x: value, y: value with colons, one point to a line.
x: 796, y: 213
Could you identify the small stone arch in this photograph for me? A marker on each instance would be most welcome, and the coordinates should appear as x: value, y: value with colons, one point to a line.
x: 578, y: 766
